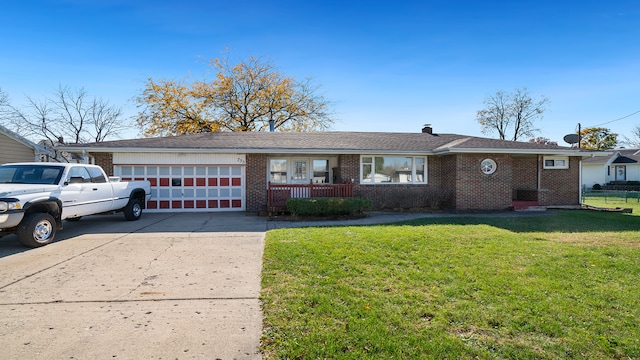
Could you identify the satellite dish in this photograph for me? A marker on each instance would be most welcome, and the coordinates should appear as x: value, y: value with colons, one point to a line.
x: 571, y: 139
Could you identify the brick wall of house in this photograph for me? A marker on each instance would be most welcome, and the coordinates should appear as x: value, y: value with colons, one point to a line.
x: 349, y: 166
x: 478, y: 191
x: 524, y: 173
x: 448, y: 172
x: 399, y: 196
x: 256, y: 186
x: 560, y: 186
x: 454, y: 181
x: 104, y: 160
x: 434, y: 171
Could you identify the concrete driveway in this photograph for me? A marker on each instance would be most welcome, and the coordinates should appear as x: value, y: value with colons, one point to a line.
x: 169, y: 286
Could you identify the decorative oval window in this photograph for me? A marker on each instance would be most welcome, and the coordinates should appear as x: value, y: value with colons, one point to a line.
x: 488, y: 166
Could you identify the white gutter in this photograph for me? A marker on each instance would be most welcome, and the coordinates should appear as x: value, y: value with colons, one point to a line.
x: 550, y: 152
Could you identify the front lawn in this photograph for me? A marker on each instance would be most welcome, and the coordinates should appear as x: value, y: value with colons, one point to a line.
x: 557, y: 285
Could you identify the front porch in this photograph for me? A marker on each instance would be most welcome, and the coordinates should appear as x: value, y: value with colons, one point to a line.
x: 277, y: 194
x: 527, y: 200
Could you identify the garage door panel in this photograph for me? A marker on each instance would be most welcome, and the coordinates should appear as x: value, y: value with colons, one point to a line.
x: 190, y: 188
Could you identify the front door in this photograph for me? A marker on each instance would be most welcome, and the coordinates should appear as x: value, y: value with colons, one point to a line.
x: 621, y: 173
x: 299, y: 171
x: 299, y: 176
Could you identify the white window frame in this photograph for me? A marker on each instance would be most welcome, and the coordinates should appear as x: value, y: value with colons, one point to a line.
x: 488, y: 166
x: 557, y: 162
x: 282, y: 172
x: 290, y: 167
x: 413, y: 181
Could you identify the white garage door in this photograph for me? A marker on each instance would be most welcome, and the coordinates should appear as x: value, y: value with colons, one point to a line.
x: 190, y: 188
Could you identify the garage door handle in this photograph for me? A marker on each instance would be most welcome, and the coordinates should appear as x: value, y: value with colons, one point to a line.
x: 95, y: 189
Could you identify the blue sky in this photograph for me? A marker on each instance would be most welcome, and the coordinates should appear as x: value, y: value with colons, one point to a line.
x: 387, y: 65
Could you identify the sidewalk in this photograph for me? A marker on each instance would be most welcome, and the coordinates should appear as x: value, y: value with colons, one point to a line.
x: 386, y: 217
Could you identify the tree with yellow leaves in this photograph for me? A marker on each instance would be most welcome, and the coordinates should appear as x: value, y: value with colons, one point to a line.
x: 598, y: 138
x: 247, y: 96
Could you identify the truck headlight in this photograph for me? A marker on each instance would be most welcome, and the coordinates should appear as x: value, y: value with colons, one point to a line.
x: 6, y: 206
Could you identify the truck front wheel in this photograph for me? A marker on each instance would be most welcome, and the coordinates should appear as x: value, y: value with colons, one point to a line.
x: 37, y: 229
x: 133, y: 210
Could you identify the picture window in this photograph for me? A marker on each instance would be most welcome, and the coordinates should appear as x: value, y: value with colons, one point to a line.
x: 385, y: 169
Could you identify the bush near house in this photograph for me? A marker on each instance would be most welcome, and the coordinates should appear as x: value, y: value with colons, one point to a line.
x: 327, y: 206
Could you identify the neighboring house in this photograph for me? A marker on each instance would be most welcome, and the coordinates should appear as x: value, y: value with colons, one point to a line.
x: 618, y: 166
x: 16, y: 148
x: 232, y: 170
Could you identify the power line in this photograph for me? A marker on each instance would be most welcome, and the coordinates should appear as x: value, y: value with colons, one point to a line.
x: 624, y: 117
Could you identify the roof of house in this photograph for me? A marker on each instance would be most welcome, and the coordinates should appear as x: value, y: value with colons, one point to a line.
x: 324, y: 142
x: 619, y: 156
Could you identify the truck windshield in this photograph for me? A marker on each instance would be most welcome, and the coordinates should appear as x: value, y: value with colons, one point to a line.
x: 30, y: 174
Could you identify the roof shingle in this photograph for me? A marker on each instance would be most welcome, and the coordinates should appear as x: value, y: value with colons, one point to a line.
x: 348, y: 142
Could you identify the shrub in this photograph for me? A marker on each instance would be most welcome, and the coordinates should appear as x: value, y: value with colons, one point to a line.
x: 597, y: 187
x: 327, y: 206
x: 394, y: 197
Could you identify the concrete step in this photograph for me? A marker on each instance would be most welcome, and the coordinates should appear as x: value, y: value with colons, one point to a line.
x: 530, y: 208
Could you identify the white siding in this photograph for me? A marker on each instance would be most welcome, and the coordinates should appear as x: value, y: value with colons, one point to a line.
x: 633, y: 172
x: 593, y: 174
x: 171, y: 158
x: 14, y: 151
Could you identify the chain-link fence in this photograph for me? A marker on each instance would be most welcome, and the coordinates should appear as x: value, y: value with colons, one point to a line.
x: 611, y: 196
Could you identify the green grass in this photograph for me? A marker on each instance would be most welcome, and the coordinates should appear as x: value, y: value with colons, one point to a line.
x: 561, y: 285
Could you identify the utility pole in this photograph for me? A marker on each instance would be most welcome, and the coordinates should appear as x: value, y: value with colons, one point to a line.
x: 579, y: 135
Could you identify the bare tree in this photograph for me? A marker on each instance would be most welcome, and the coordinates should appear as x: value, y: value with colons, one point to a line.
x: 69, y: 116
x: 105, y: 120
x: 5, y: 107
x: 511, y: 115
x: 635, y: 140
x: 4, y: 99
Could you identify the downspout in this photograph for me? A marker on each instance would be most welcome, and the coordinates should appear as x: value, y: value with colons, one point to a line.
x: 538, y: 174
x: 539, y: 178
x: 580, y: 183
x: 88, y: 159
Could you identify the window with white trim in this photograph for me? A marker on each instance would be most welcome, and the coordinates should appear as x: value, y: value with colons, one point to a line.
x: 393, y: 169
x: 278, y: 171
x: 488, y: 166
x: 286, y: 170
x: 556, y: 162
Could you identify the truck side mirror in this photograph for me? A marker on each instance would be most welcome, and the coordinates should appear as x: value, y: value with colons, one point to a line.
x: 76, y: 180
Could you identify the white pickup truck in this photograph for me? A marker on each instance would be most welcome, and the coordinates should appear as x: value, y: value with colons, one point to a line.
x: 36, y: 197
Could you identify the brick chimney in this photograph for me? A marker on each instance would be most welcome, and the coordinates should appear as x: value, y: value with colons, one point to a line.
x: 427, y: 129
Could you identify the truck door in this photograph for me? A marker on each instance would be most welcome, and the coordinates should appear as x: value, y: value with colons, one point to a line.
x: 82, y: 197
